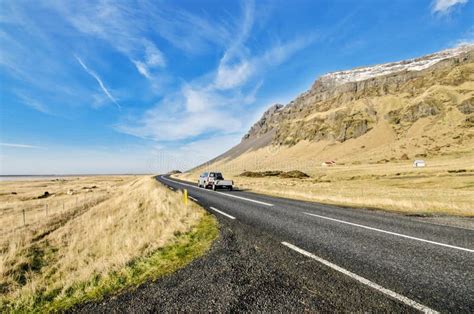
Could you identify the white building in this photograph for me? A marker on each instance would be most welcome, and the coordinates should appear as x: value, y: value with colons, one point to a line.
x: 419, y: 163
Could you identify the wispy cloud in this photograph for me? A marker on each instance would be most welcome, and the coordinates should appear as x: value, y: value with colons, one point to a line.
x: 467, y: 38
x: 99, y: 81
x: 174, y: 25
x: 238, y: 64
x: 122, y: 26
x: 188, y: 114
x: 16, y: 145
x: 33, y: 103
x: 218, y: 101
x: 445, y: 6
x: 43, y: 77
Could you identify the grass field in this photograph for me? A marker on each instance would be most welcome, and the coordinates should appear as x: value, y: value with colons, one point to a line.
x: 92, y: 236
x: 444, y: 187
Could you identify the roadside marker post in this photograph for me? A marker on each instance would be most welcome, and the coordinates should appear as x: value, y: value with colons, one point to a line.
x: 185, y: 195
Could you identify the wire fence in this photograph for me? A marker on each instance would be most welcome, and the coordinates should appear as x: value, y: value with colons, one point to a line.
x: 42, y: 210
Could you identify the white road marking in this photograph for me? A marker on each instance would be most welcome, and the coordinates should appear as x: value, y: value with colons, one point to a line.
x: 392, y: 233
x: 192, y: 198
x: 246, y: 199
x: 171, y: 188
x: 225, y: 194
x: 362, y: 280
x: 221, y: 212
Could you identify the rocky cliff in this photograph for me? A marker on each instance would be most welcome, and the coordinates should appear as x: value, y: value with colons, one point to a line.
x: 347, y: 104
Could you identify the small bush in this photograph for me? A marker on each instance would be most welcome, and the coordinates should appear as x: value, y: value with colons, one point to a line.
x: 294, y: 174
x: 457, y: 171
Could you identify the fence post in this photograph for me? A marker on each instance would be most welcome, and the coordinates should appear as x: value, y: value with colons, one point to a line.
x: 185, y: 195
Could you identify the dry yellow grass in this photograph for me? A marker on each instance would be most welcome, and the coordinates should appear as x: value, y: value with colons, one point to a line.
x: 392, y: 185
x: 119, y: 220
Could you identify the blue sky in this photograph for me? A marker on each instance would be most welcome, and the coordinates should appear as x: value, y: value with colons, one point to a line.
x: 141, y: 87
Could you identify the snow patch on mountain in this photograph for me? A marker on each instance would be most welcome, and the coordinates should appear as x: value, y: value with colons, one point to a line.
x: 364, y: 73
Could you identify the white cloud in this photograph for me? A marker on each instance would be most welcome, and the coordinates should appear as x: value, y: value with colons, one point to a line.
x: 99, y: 81
x: 142, y: 68
x: 121, y: 27
x: 33, y: 103
x: 444, y: 6
x: 238, y: 65
x: 153, y: 56
x: 194, y: 34
x: 163, y: 126
x: 19, y: 145
x: 43, y: 79
x: 231, y: 76
x: 198, y: 100
x: 217, y: 102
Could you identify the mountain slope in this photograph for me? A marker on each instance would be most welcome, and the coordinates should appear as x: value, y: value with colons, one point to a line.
x: 419, y: 107
x: 373, y: 122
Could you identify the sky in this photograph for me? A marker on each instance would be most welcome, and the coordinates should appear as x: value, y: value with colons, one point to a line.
x: 148, y: 86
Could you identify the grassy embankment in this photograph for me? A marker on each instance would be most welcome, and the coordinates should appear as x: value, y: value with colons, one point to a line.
x: 106, y: 234
x: 444, y: 187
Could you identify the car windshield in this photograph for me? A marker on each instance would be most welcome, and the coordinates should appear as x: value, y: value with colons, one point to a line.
x: 216, y: 175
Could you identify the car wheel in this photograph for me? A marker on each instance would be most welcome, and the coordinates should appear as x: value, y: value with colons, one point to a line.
x: 214, y: 187
x: 231, y: 188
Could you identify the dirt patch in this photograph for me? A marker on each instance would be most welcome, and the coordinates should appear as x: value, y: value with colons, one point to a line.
x: 457, y: 171
x: 294, y: 174
x: 261, y: 174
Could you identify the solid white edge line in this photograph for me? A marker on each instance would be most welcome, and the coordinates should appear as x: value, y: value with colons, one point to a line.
x: 362, y: 280
x: 221, y: 212
x: 225, y: 194
x: 392, y: 233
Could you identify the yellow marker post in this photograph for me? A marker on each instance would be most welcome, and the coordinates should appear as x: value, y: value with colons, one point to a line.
x: 185, y: 197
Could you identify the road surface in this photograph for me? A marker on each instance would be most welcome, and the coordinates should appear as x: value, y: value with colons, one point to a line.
x: 277, y: 254
x: 424, y: 266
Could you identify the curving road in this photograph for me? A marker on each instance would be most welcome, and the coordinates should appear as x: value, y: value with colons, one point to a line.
x: 415, y: 265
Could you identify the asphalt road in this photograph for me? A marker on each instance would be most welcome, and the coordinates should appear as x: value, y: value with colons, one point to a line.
x: 429, y: 264
x: 276, y: 254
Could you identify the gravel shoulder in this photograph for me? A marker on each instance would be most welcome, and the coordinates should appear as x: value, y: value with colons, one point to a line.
x: 246, y: 270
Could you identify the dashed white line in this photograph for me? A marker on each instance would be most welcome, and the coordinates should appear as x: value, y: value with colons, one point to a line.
x: 225, y: 194
x: 222, y: 213
x: 246, y: 199
x: 362, y: 280
x: 192, y: 198
x: 392, y: 233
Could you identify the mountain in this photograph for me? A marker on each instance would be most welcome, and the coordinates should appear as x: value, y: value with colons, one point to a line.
x: 418, y: 108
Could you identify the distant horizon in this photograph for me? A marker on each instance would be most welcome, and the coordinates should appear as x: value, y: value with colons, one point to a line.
x: 5, y: 178
x: 72, y: 174
x: 104, y: 88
